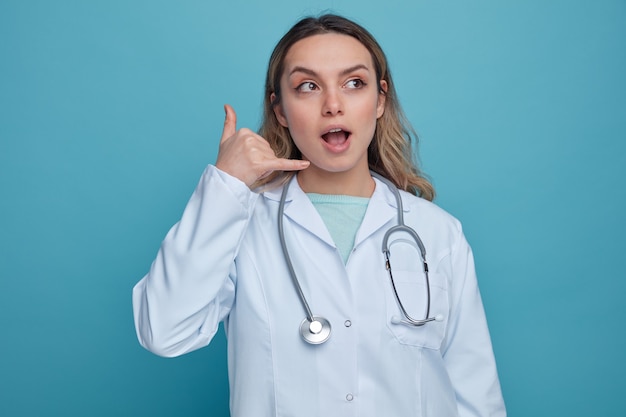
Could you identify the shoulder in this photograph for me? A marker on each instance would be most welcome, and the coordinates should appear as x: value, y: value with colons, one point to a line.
x: 417, y: 206
x: 431, y: 221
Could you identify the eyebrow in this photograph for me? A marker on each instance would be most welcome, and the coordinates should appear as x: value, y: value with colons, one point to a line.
x: 342, y: 73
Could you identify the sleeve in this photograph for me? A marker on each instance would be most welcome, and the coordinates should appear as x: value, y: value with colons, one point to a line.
x: 190, y: 287
x: 467, y: 350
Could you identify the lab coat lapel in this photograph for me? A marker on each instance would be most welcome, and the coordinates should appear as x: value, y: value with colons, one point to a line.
x: 300, y: 210
x: 381, y: 209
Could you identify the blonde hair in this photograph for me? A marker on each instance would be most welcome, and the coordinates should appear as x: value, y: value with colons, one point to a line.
x: 390, y: 153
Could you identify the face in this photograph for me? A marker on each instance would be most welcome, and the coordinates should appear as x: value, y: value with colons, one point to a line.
x: 330, y: 102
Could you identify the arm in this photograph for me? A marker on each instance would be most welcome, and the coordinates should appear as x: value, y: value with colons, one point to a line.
x: 467, y: 350
x: 190, y: 287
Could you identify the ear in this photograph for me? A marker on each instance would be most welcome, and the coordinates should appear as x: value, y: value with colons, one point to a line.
x: 382, y: 98
x: 278, y: 111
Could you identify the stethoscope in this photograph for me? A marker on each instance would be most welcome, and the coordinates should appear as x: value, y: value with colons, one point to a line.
x: 317, y: 329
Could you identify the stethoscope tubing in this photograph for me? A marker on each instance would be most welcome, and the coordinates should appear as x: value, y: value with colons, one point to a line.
x: 402, y: 227
x: 283, y: 244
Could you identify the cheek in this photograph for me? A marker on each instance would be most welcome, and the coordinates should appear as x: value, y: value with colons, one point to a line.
x: 372, y: 107
x: 297, y: 117
x: 289, y: 111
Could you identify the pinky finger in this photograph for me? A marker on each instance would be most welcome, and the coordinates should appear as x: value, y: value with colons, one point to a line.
x: 290, y: 164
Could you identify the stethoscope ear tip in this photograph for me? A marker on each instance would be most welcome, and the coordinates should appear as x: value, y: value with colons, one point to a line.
x: 439, y: 317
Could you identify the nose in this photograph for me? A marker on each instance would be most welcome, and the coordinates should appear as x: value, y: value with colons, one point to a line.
x: 333, y: 104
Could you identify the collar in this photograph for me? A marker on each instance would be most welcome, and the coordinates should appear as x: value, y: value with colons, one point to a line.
x: 381, y: 210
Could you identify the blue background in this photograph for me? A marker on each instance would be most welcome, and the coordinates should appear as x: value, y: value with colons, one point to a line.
x: 110, y: 110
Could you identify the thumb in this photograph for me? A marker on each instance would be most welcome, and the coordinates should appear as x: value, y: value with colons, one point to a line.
x: 230, y: 123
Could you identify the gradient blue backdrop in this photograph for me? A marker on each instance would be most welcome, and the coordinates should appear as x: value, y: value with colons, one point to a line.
x: 110, y: 110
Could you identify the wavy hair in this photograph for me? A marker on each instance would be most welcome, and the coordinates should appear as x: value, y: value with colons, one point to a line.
x: 391, y: 150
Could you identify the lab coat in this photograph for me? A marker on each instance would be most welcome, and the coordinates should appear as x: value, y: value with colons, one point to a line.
x: 223, y: 262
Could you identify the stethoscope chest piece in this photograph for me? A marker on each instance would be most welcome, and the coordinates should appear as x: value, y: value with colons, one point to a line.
x: 316, y: 331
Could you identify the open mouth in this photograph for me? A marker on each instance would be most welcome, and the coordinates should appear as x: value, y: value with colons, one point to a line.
x: 336, y: 136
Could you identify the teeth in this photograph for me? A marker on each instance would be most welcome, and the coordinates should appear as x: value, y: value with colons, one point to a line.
x: 334, y: 130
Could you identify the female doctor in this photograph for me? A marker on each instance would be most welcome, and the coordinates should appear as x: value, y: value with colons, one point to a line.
x: 286, y: 240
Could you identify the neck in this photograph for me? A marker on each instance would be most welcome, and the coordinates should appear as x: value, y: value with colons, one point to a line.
x: 356, y: 183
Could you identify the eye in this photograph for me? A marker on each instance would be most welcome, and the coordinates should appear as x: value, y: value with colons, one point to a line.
x: 355, y: 83
x: 306, y: 87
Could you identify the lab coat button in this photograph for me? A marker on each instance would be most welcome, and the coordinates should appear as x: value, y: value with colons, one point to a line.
x: 349, y: 397
x: 347, y: 323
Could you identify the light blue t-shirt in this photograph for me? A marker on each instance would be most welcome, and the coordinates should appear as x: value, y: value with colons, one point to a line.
x: 342, y: 215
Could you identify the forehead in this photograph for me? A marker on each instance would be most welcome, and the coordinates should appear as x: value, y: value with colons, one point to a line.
x: 328, y: 51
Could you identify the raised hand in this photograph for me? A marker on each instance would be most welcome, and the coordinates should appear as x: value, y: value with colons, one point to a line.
x: 248, y: 156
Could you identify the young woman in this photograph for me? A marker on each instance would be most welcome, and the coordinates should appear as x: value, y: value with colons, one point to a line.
x: 292, y: 240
